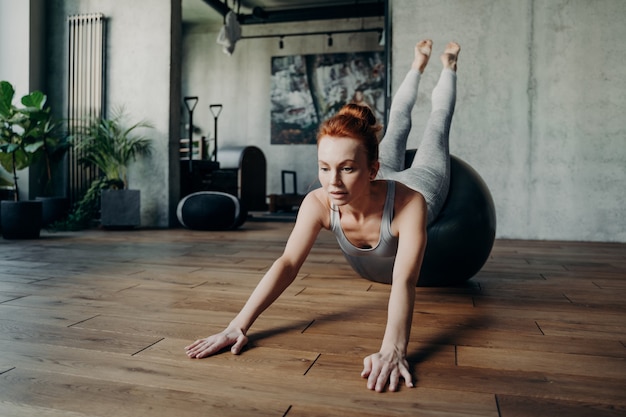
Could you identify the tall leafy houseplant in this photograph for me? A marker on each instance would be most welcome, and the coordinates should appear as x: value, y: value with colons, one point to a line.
x: 54, y: 145
x: 21, y: 130
x: 21, y: 138
x: 112, y: 145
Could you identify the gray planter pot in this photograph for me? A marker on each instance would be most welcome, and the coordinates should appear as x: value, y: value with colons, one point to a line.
x: 120, y: 209
x: 20, y: 219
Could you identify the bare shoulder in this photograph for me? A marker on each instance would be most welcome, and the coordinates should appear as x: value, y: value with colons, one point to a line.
x: 409, y: 208
x: 406, y: 196
x: 316, y: 207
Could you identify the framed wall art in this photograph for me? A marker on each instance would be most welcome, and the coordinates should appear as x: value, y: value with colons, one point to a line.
x: 307, y: 89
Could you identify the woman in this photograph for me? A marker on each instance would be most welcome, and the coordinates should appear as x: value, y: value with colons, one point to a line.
x: 378, y: 210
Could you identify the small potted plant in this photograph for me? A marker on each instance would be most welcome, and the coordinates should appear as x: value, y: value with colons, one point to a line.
x: 20, y: 140
x: 111, y: 145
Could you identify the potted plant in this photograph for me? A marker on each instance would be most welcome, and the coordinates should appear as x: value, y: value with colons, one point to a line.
x: 55, y: 144
x: 20, y: 140
x: 111, y: 145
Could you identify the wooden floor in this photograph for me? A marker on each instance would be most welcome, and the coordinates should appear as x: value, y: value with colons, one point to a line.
x: 94, y: 324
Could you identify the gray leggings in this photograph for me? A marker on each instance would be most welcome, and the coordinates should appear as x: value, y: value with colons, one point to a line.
x: 430, y: 172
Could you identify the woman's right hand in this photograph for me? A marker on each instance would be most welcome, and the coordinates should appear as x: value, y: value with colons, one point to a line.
x: 211, y: 345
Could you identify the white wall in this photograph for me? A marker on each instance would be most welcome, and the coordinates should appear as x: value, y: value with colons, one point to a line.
x: 541, y: 94
x: 18, y: 48
x: 15, y: 45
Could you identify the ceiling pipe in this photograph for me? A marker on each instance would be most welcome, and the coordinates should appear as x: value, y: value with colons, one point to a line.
x: 314, y: 13
x: 260, y: 15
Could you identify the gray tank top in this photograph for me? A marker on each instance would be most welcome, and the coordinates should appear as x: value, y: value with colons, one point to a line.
x: 375, y: 264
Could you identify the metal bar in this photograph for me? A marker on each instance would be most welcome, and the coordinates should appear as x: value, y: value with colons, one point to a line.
x: 326, y: 32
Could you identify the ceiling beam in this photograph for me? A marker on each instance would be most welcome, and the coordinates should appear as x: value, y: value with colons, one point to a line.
x: 260, y: 15
x: 218, y: 6
x: 314, y: 13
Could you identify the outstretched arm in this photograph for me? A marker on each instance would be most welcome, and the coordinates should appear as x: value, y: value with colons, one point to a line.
x: 390, y: 363
x: 274, y: 282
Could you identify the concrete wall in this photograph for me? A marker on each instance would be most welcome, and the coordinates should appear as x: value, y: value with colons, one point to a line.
x: 14, y: 62
x: 241, y: 82
x: 21, y: 59
x: 540, y: 107
x: 140, y: 77
x: 541, y: 94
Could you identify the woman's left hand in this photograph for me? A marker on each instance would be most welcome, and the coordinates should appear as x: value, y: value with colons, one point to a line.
x: 383, y: 367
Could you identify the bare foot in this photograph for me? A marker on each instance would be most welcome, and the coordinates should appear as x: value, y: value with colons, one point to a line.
x: 422, y: 54
x: 450, y: 55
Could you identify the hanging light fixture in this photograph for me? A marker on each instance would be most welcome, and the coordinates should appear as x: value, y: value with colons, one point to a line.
x: 330, y: 39
x: 281, y: 43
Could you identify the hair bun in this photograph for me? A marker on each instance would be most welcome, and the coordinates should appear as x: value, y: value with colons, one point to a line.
x: 360, y: 112
x: 354, y: 121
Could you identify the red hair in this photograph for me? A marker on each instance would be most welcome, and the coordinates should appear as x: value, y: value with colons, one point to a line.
x: 356, y: 122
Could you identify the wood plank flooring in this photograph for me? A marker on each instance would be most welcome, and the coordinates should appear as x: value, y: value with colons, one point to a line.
x: 94, y: 323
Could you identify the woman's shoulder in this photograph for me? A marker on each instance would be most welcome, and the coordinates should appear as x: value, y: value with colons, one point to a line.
x: 409, y: 210
x: 316, y: 205
x: 406, y: 196
x: 319, y: 196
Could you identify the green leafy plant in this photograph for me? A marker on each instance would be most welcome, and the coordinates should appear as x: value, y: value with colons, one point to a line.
x: 21, y: 130
x: 111, y: 146
x: 85, y: 210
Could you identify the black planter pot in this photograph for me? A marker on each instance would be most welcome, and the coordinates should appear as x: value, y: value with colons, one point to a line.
x: 20, y: 219
x: 53, y: 209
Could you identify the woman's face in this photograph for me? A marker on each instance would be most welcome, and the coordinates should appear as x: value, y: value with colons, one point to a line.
x: 344, y: 171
